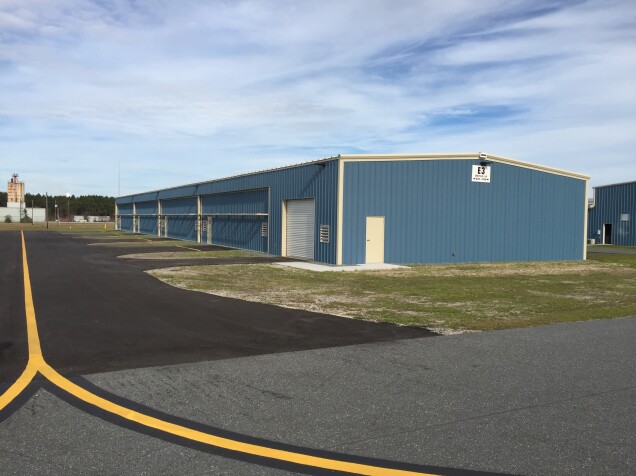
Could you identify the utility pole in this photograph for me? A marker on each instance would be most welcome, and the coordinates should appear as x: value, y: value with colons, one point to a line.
x: 32, y: 214
x: 46, y: 209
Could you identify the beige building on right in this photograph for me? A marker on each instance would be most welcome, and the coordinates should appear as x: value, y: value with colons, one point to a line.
x: 15, y: 192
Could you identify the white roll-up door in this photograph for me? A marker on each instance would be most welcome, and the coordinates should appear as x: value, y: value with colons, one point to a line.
x: 300, y: 228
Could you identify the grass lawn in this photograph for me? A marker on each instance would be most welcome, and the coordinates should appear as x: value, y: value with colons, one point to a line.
x: 441, y: 297
x: 616, y: 258
x: 610, y: 247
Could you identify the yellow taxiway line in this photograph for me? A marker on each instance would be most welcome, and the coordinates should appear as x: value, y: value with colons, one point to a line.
x: 18, y: 386
x: 37, y: 364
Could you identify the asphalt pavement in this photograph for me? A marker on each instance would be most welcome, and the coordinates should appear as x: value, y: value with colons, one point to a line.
x: 13, y: 336
x: 548, y: 400
x: 97, y: 312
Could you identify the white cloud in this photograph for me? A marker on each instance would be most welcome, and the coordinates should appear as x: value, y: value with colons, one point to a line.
x: 197, y: 89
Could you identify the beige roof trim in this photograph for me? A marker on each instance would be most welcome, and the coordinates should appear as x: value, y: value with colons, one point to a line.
x: 463, y: 155
x: 369, y: 157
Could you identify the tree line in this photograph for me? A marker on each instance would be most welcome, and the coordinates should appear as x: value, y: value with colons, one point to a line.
x: 84, y: 205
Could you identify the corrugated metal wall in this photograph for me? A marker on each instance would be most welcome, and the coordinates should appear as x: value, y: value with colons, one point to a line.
x: 147, y: 216
x: 239, y: 232
x: 124, y: 208
x: 610, y: 202
x: 126, y: 223
x: 243, y: 229
x: 434, y: 213
x: 148, y: 225
x: 179, y: 206
x: 182, y: 227
x: 250, y: 201
x: 146, y: 208
x: 125, y: 211
x: 307, y: 181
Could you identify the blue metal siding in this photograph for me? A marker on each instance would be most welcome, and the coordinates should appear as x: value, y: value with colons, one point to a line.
x: 610, y: 202
x: 434, y: 213
x: 124, y: 200
x: 250, y: 201
x: 125, y: 209
x: 148, y: 225
x: 146, y: 208
x: 308, y: 181
x: 141, y: 197
x: 305, y: 181
x: 182, y: 227
x: 179, y: 206
x: 239, y: 232
x: 127, y: 223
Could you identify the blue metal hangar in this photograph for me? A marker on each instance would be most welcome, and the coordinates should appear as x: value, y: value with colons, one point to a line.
x: 394, y: 208
x: 612, y: 213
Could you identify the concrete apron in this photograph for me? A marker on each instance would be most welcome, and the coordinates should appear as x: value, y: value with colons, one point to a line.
x: 319, y: 267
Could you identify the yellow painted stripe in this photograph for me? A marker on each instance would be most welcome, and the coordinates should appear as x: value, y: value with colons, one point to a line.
x: 32, y: 328
x: 213, y: 440
x: 35, y: 352
x: 37, y: 363
x: 19, y: 385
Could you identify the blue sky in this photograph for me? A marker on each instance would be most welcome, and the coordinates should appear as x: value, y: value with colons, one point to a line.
x: 178, y: 92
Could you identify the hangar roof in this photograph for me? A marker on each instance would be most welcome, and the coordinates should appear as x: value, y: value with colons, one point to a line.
x: 465, y: 155
x: 396, y: 157
x: 614, y: 184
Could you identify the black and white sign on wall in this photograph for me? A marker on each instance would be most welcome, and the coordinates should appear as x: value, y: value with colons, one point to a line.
x: 481, y: 173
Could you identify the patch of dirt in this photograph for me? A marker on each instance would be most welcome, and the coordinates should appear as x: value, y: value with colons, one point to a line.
x: 449, y: 332
x: 509, y: 269
x: 138, y: 242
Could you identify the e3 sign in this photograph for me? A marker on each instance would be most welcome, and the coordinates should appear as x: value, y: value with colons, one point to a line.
x: 481, y: 173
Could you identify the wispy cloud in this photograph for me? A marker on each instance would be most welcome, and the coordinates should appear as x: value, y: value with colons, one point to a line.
x: 183, y: 91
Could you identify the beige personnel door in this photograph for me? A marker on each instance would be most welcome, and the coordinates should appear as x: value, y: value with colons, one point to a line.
x: 375, y: 240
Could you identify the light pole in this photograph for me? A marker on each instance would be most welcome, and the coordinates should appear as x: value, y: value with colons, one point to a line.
x: 68, y: 202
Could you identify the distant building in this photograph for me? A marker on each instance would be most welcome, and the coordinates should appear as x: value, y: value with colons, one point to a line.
x: 16, y: 208
x: 612, y: 214
x: 90, y: 218
x: 15, y: 214
x: 15, y: 192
